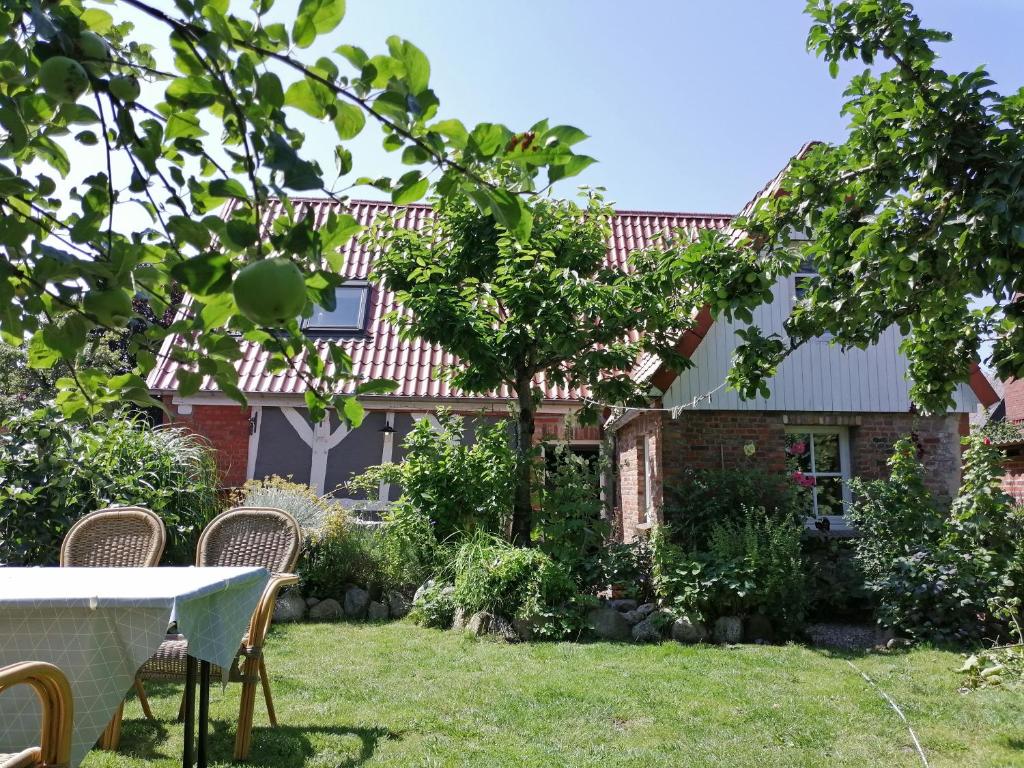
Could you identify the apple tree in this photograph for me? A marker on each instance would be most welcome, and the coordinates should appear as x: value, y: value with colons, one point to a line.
x: 915, y: 220
x: 133, y: 164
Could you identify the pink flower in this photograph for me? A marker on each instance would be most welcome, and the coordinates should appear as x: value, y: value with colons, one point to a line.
x: 807, y: 481
x: 987, y: 440
x: 798, y: 448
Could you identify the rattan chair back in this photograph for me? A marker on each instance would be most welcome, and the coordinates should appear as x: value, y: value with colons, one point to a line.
x: 116, y: 537
x: 51, y: 686
x: 255, y: 537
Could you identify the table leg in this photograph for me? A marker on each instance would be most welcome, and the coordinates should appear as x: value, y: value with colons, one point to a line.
x: 188, y: 754
x: 204, y: 711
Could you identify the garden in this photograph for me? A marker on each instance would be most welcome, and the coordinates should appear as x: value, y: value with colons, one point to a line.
x: 428, y: 632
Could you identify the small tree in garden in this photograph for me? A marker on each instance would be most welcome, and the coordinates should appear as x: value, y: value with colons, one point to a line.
x: 546, y: 305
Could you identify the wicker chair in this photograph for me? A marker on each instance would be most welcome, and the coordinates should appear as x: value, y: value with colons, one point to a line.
x: 49, y: 683
x: 116, y: 537
x: 243, y: 536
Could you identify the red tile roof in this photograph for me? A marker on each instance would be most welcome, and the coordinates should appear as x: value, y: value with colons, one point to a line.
x: 381, y: 354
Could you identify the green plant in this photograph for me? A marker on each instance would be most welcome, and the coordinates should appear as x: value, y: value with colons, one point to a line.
x: 937, y: 575
x: 342, y: 553
x: 753, y: 565
x: 408, y: 549
x: 515, y: 582
x: 309, y: 509
x: 52, y: 471
x: 462, y: 488
x: 703, y: 499
x: 435, y: 607
x: 627, y: 566
x: 569, y: 523
x: 544, y: 303
x: 836, y: 588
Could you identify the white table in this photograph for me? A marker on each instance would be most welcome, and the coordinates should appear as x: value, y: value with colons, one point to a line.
x: 99, y: 625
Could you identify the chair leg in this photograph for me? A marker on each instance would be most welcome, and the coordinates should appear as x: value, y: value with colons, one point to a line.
x: 111, y: 737
x: 143, y: 700
x: 265, y: 681
x: 243, y: 737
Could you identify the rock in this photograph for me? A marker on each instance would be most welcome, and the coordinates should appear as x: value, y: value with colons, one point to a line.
x: 609, y: 624
x: 311, y: 601
x: 289, y: 607
x: 632, y: 617
x: 649, y: 630
x: 326, y: 609
x: 398, y: 605
x: 688, y: 629
x: 759, y: 629
x: 459, y: 620
x: 356, y: 602
x: 523, y: 628
x: 728, y: 629
x: 480, y: 623
x: 504, y: 629
x: 646, y: 609
x: 426, y: 587
x: 898, y: 642
x: 377, y: 611
x: 622, y: 604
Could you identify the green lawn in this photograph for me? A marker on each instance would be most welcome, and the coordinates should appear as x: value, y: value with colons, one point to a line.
x: 398, y: 695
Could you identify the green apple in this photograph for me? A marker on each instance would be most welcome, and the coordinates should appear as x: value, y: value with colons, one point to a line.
x: 125, y: 87
x: 270, y: 292
x: 63, y: 79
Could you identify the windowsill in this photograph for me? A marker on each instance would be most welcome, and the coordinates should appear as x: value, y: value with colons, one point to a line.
x: 645, y: 526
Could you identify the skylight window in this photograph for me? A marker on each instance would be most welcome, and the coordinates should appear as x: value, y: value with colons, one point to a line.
x: 348, y: 315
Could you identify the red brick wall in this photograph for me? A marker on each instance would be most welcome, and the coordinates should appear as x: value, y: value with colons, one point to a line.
x: 1013, y: 480
x: 716, y: 440
x: 632, y: 511
x: 1013, y: 396
x: 227, y: 429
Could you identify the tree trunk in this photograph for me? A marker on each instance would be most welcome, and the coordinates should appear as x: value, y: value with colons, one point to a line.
x: 522, y: 508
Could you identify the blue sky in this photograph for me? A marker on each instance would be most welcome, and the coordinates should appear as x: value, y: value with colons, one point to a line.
x: 690, y: 105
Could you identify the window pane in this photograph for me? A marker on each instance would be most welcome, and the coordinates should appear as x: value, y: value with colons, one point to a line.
x: 830, y: 495
x: 798, y: 452
x: 826, y: 452
x: 348, y: 314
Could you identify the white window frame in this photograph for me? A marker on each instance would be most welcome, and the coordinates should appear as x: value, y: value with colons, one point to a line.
x: 836, y: 522
x: 648, y: 485
x: 806, y: 272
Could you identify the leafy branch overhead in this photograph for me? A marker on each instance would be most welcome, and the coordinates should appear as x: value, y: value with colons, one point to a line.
x: 915, y: 220
x: 200, y: 132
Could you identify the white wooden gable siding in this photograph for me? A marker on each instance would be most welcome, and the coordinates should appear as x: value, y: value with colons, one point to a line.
x: 816, y: 377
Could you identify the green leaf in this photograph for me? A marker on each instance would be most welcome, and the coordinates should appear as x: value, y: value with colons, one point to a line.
x: 228, y: 188
x: 453, y: 130
x: 41, y: 354
x: 566, y: 134
x: 269, y: 89
x: 356, y: 56
x: 353, y: 411
x: 316, y: 17
x: 511, y: 212
x: 409, y: 188
x: 349, y: 121
x: 98, y: 20
x: 575, y: 165
x: 415, y: 62
x: 376, y: 387
x: 205, y: 274
x: 486, y: 138
x: 302, y: 95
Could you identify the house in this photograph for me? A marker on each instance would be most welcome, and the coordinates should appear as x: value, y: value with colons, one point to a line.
x: 842, y: 410
x: 1011, y: 410
x: 274, y: 435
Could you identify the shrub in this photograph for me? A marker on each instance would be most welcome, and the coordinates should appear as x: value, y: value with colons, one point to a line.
x: 515, y: 582
x: 340, y: 554
x: 400, y: 553
x: 627, y: 566
x: 836, y: 588
x: 703, y: 499
x: 53, y: 471
x: 462, y: 488
x: 435, y: 607
x: 569, y: 525
x: 753, y: 565
x: 301, y: 501
x: 935, y: 575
